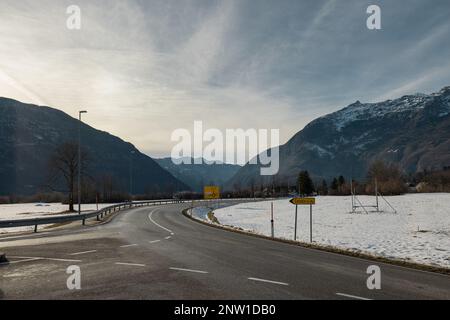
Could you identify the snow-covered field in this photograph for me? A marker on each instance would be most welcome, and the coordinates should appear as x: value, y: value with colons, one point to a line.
x: 36, y: 210
x: 419, y: 232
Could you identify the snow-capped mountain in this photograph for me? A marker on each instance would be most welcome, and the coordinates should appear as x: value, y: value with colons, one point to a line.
x: 412, y: 131
x: 29, y: 134
x: 407, y: 104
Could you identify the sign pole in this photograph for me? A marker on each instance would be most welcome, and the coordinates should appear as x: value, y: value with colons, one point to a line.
x: 271, y: 220
x: 310, y: 223
x: 295, y: 229
x: 303, y: 201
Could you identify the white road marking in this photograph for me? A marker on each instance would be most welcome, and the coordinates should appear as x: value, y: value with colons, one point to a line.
x: 188, y: 270
x: 129, y: 245
x: 83, y: 252
x: 62, y: 260
x: 43, y: 258
x: 157, y: 224
x: 18, y: 261
x: 130, y: 264
x: 154, y: 241
x: 269, y: 281
x: 351, y: 296
x: 167, y: 238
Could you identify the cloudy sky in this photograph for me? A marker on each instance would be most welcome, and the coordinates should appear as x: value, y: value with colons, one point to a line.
x: 144, y: 68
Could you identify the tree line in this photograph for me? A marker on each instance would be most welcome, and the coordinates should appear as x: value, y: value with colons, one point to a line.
x: 61, y: 182
x: 387, y: 178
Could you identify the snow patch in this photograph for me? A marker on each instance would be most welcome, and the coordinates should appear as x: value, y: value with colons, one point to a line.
x: 419, y: 232
x: 318, y: 149
x: 38, y: 210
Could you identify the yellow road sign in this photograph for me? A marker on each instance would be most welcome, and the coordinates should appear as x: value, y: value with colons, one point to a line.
x: 211, y: 192
x: 303, y: 201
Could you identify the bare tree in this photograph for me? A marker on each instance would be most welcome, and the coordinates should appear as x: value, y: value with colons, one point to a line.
x: 388, y: 176
x: 63, y: 165
x: 107, y: 186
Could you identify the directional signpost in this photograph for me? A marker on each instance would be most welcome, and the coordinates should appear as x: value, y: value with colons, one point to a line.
x: 211, y: 192
x: 303, y: 202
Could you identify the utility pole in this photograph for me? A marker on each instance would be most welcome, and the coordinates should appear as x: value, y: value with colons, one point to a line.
x: 79, y: 160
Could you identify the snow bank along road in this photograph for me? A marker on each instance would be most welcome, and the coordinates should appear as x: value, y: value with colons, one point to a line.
x: 157, y: 253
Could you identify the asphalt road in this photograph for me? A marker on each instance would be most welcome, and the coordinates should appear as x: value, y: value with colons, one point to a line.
x: 157, y: 253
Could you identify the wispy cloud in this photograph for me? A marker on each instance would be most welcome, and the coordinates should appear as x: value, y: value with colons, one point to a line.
x: 145, y: 68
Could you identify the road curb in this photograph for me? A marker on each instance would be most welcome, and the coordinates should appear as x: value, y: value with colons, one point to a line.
x: 325, y: 248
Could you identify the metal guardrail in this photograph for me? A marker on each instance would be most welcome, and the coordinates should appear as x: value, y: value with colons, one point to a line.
x: 96, y: 214
x: 84, y: 216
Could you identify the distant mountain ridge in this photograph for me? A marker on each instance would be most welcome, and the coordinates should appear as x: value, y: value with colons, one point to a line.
x: 196, y: 176
x: 29, y: 134
x: 412, y: 131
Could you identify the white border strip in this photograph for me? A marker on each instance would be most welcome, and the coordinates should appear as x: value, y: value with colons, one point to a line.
x: 269, y: 281
x: 351, y: 296
x: 188, y: 270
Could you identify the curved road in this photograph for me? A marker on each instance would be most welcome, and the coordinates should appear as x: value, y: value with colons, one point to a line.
x: 157, y: 253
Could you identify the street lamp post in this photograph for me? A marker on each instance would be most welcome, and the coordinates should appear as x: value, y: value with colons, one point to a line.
x: 79, y: 160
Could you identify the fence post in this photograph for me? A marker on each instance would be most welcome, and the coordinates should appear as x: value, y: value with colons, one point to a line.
x: 35, y: 228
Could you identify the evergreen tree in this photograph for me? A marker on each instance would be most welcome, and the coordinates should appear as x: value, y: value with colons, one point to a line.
x: 341, y: 181
x: 335, y: 185
x: 305, y: 184
x: 324, y: 188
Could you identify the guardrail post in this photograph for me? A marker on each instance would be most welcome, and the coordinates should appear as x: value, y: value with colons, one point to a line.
x: 35, y: 228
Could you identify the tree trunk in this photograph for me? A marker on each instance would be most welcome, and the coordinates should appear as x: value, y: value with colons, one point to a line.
x: 71, y: 195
